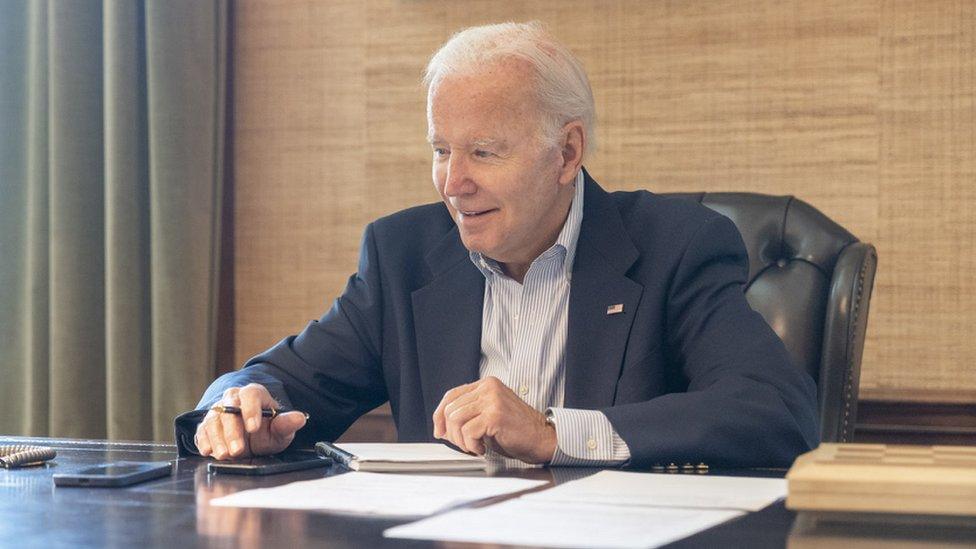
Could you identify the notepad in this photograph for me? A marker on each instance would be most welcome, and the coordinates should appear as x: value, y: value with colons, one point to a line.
x: 405, y: 457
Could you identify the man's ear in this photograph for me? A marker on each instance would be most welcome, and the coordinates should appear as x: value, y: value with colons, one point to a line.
x: 572, y: 146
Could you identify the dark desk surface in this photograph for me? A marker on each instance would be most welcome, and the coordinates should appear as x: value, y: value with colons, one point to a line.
x: 173, y: 511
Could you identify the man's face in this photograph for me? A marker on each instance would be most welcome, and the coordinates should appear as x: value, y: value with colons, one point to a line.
x: 493, y: 170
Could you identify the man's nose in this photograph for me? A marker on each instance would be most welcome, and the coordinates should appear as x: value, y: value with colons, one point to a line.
x: 458, y: 179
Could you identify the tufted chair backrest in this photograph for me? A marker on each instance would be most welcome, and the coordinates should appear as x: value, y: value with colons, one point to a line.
x: 811, y: 280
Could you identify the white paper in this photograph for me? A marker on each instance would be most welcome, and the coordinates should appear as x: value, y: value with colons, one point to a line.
x: 668, y: 490
x: 526, y: 522
x: 377, y: 493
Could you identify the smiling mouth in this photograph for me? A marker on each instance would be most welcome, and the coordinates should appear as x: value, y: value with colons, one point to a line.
x: 475, y: 213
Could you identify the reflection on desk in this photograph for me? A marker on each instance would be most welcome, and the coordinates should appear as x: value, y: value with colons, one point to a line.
x: 856, y: 531
x: 172, y: 511
x: 245, y: 528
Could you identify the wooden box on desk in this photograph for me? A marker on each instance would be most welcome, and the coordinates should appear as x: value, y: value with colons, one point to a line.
x: 881, y: 478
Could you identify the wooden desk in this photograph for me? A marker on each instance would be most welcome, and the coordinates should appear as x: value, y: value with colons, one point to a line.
x: 173, y: 511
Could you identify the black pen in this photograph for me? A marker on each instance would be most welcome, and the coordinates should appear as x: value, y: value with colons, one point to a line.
x: 265, y: 412
x: 338, y: 455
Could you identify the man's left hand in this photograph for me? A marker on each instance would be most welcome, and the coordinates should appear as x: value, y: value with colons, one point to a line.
x: 487, y: 414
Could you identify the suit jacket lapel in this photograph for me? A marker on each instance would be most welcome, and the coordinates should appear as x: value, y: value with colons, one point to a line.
x: 447, y: 317
x: 596, y: 340
x: 448, y: 310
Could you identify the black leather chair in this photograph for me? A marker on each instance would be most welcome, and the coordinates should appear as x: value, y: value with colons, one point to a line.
x: 811, y: 280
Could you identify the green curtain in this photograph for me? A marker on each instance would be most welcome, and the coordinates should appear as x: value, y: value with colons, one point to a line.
x: 111, y: 157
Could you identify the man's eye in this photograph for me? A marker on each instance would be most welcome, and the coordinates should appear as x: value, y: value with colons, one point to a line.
x: 440, y: 151
x: 480, y: 153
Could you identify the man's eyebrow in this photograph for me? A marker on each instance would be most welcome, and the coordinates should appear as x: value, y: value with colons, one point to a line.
x: 486, y: 142
x: 483, y: 142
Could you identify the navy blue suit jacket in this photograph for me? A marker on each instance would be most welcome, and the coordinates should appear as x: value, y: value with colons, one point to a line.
x: 687, y: 373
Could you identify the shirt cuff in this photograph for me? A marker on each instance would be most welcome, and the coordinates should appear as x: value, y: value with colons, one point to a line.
x: 586, y: 437
x: 186, y: 430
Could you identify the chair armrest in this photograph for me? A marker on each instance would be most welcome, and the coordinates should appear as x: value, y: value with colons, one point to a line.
x: 843, y: 344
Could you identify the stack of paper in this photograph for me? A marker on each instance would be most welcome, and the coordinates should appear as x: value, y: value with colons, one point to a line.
x: 611, y: 509
x: 526, y: 522
x: 376, y: 493
x: 664, y: 490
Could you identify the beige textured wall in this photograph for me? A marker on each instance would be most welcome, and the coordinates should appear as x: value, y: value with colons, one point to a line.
x: 866, y: 109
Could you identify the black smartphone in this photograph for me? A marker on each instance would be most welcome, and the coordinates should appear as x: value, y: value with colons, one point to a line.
x: 270, y: 465
x: 119, y: 473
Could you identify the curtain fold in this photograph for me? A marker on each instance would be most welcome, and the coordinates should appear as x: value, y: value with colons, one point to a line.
x: 14, y: 35
x: 36, y: 278
x: 76, y: 227
x: 127, y: 239
x: 186, y: 89
x: 110, y: 186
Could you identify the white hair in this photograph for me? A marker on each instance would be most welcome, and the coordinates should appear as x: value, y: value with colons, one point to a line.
x: 561, y: 86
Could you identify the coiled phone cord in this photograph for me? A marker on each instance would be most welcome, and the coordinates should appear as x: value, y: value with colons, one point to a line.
x: 22, y: 455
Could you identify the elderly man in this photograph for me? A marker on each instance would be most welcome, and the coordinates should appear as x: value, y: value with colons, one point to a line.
x: 532, y: 316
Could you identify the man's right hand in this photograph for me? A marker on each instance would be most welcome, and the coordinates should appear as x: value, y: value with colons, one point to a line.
x: 229, y: 436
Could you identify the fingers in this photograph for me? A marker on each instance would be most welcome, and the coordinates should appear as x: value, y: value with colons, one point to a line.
x: 202, y: 440
x: 227, y: 435
x: 232, y: 426
x: 450, y: 396
x: 215, y: 435
x: 286, y: 425
x: 233, y: 429
x: 253, y: 398
x: 277, y: 434
x: 210, y: 433
x: 222, y: 435
x: 457, y: 418
x: 488, y: 415
x: 457, y: 412
x: 460, y: 402
x: 464, y: 404
x: 472, y: 434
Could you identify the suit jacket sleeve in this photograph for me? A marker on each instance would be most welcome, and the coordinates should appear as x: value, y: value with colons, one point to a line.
x: 330, y: 370
x: 746, y: 404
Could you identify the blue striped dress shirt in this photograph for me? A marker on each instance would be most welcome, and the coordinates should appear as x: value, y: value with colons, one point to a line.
x: 523, y: 344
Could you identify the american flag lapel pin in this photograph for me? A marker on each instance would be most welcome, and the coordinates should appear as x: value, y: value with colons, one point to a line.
x: 615, y: 309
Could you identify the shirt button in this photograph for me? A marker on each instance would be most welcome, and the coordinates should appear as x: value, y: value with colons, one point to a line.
x: 523, y: 390
x: 591, y: 444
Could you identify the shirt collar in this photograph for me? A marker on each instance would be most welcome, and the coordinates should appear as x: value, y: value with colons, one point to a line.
x: 567, y: 239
